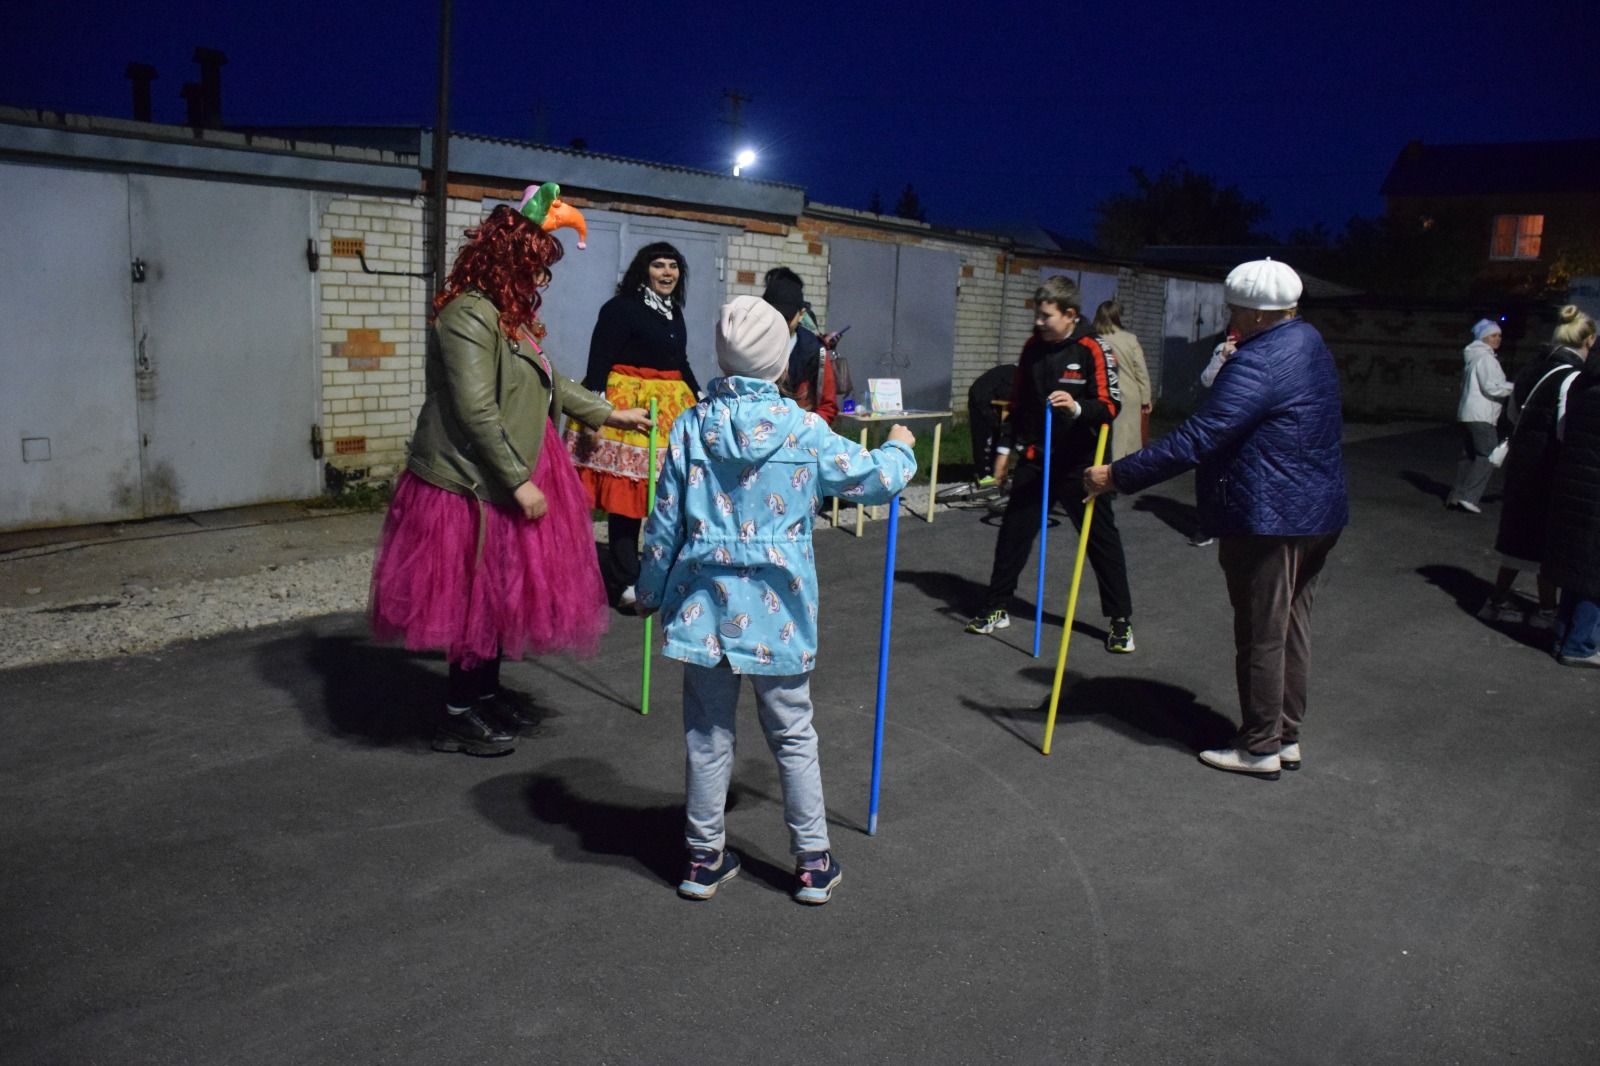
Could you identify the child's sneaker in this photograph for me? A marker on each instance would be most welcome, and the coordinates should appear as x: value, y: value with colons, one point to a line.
x: 989, y: 621
x: 819, y: 874
x: 707, y: 869
x: 1120, y: 639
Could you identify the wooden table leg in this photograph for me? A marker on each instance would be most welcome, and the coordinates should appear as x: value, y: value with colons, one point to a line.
x: 933, y: 473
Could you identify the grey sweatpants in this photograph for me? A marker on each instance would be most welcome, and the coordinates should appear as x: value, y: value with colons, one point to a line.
x: 1473, y: 472
x: 783, y: 705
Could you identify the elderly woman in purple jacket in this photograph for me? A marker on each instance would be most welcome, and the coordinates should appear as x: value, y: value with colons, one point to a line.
x: 1271, y: 486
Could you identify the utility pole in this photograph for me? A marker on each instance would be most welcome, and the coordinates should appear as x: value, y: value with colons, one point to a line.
x: 441, y: 153
x: 736, y: 101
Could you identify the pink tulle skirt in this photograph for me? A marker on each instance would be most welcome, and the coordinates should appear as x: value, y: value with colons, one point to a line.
x: 533, y: 587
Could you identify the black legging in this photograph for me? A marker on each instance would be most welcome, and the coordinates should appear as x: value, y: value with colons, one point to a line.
x: 623, y: 550
x: 467, y: 685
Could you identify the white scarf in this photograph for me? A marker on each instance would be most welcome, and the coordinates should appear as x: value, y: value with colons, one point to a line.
x: 662, y: 305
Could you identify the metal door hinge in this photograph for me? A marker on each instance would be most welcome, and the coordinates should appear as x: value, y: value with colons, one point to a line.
x: 316, y: 441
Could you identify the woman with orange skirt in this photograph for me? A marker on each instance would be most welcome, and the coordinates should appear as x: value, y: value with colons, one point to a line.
x: 639, y: 352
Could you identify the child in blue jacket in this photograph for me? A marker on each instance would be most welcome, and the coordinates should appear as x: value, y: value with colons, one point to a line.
x: 727, y: 561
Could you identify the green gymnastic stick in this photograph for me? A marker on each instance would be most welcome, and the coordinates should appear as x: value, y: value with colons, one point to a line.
x: 650, y: 505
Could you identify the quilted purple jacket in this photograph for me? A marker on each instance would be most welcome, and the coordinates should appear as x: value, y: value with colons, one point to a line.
x: 1266, y: 441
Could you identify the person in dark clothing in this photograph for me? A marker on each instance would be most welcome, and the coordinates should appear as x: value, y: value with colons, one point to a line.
x: 1529, y: 466
x: 638, y: 352
x: 1063, y: 374
x: 984, y: 419
x: 810, y: 379
x: 1572, y: 553
x: 1271, y: 487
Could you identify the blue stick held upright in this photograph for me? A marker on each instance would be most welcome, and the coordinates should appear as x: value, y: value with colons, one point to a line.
x: 1044, y: 528
x: 883, y: 664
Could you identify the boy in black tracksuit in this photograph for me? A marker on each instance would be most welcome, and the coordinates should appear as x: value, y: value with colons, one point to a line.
x: 1065, y: 370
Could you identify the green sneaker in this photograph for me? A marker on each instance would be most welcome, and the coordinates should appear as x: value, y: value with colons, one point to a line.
x: 989, y: 622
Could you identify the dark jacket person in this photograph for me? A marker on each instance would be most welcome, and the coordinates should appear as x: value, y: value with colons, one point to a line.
x: 1271, y: 486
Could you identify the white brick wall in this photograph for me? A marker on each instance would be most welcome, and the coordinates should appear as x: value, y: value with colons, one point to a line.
x: 356, y: 401
x: 758, y: 253
x: 993, y: 311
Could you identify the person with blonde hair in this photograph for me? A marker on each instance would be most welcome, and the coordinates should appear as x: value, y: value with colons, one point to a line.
x: 1539, y: 400
x: 1133, y: 378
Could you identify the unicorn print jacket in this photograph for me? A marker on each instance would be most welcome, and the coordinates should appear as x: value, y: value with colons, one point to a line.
x: 727, y: 550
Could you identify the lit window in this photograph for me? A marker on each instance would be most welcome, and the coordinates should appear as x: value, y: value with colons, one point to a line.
x: 1516, y: 237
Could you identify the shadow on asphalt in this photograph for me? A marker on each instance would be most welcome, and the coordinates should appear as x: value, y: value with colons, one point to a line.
x: 357, y: 691
x: 584, y: 813
x: 1150, y: 712
x: 1183, y: 517
x: 1426, y: 483
x: 1468, y: 590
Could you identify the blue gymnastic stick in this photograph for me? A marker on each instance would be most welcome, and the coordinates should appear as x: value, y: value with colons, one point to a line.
x: 1044, y: 529
x: 883, y: 664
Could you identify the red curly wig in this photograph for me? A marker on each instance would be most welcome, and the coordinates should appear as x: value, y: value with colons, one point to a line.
x: 508, y: 259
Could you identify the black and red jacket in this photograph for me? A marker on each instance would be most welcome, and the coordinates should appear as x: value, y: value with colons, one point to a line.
x: 1077, y: 366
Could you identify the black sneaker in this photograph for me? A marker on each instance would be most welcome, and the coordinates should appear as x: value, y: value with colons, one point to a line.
x: 819, y: 874
x: 989, y: 621
x: 513, y: 712
x: 707, y: 869
x: 1120, y: 639
x: 470, y: 734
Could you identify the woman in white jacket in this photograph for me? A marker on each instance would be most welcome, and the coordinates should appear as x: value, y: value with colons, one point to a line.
x: 1484, y: 389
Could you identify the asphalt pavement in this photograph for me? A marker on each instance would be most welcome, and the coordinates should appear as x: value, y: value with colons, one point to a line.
x: 243, y: 851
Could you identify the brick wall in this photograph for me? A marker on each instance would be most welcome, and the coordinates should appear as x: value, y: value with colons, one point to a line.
x: 752, y: 253
x: 1143, y: 297
x: 372, y: 330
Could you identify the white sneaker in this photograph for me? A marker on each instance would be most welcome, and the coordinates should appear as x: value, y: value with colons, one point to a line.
x: 1469, y: 507
x: 1289, y: 756
x: 1541, y: 619
x: 1572, y: 660
x: 1239, y: 761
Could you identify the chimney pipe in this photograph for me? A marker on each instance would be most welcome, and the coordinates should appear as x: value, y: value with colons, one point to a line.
x: 141, y: 74
x: 194, y: 97
x: 211, y: 61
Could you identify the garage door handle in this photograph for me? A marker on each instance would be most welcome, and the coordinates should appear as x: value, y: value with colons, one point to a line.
x: 143, y: 361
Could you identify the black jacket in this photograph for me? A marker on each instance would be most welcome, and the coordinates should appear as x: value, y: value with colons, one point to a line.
x: 1572, y: 552
x: 628, y: 333
x: 1078, y: 366
x: 1531, y: 462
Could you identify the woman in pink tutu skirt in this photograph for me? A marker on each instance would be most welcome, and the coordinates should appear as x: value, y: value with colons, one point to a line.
x: 488, y: 547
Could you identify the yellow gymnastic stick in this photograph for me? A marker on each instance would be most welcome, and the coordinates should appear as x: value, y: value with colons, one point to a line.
x: 1072, y: 598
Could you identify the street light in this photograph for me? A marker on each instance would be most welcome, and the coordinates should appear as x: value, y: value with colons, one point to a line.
x: 742, y: 160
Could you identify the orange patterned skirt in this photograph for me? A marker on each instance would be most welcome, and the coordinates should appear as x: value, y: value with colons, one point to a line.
x: 611, y: 462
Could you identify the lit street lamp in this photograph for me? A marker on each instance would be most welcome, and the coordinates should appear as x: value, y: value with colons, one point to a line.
x: 744, y: 159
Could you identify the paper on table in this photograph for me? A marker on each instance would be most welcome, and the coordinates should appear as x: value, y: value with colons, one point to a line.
x: 884, y: 395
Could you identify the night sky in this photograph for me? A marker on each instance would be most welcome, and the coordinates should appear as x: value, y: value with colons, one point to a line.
x: 996, y: 113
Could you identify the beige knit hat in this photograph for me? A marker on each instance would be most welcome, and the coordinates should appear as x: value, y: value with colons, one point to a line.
x: 752, y: 339
x: 1263, y: 285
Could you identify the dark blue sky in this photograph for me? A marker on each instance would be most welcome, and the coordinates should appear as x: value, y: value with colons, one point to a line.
x: 996, y: 113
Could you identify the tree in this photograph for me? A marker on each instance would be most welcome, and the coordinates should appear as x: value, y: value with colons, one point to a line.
x: 908, y: 206
x: 1177, y: 206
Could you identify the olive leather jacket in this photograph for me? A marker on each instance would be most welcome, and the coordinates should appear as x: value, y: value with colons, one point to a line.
x: 482, y: 422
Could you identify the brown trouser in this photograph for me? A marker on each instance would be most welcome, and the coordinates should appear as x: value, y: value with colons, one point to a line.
x: 1271, y: 583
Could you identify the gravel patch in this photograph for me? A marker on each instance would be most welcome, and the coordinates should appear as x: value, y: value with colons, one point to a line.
x: 137, y: 619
